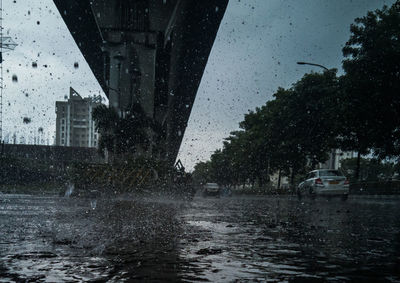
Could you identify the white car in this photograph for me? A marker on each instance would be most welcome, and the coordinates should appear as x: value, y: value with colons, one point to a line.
x: 211, y: 189
x: 324, y: 182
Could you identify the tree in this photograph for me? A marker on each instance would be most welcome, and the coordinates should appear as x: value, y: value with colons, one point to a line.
x: 105, y: 121
x: 372, y: 83
x: 296, y: 128
x: 221, y: 167
x: 355, y: 132
x: 370, y: 169
x: 239, y: 150
x: 302, y: 122
x: 202, y: 172
x: 123, y: 134
x: 256, y: 145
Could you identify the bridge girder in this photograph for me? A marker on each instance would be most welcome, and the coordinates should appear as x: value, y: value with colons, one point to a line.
x: 147, y: 52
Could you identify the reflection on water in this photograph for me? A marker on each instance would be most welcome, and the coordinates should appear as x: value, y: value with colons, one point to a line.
x: 284, y: 239
x: 54, y: 239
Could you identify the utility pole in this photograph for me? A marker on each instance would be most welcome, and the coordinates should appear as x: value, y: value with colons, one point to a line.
x: 6, y: 44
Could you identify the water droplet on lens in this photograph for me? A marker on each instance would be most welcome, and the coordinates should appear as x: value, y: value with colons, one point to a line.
x: 14, y: 78
x: 76, y: 65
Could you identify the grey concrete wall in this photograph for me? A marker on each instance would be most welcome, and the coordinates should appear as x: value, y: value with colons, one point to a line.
x: 52, y: 154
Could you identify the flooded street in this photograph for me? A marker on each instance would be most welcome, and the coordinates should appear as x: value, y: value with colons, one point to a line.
x: 56, y: 239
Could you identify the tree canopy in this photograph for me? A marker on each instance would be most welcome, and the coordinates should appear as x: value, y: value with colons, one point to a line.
x: 371, y: 85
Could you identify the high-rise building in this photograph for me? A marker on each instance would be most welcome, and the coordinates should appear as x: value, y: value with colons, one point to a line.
x: 74, y: 123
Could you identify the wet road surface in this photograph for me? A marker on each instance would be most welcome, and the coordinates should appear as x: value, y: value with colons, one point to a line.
x: 250, y: 239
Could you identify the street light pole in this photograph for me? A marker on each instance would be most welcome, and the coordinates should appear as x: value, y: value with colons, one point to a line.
x: 313, y: 64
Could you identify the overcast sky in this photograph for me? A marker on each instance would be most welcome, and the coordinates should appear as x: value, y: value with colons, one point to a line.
x: 255, y: 52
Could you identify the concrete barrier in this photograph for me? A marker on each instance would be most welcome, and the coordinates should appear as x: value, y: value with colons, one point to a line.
x: 376, y: 188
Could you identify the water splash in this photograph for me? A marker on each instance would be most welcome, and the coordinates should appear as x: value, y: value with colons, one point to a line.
x: 93, y: 204
x: 70, y: 189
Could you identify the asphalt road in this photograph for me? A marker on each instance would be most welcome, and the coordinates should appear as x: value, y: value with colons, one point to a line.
x: 250, y: 239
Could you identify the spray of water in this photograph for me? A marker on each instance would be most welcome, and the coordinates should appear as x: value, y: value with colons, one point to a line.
x: 70, y: 189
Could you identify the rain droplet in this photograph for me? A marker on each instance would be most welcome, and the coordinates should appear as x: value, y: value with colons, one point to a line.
x: 38, y: 22
x: 14, y: 78
x: 34, y: 65
x: 76, y: 65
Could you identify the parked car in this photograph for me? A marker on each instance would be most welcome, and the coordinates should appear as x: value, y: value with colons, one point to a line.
x: 211, y: 189
x: 324, y: 182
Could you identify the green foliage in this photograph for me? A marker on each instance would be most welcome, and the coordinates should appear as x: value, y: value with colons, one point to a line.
x: 371, y: 85
x: 297, y: 127
x: 124, y: 135
x: 202, y: 171
x: 370, y: 169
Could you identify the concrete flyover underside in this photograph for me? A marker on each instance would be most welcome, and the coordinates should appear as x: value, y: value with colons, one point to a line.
x: 150, y: 53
